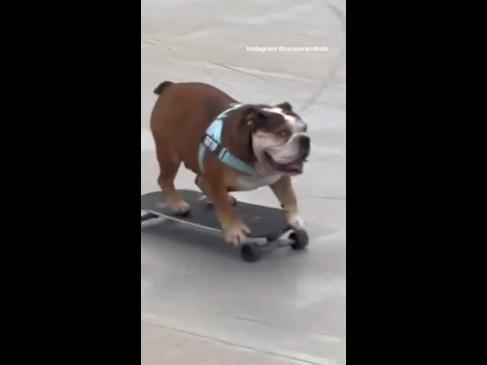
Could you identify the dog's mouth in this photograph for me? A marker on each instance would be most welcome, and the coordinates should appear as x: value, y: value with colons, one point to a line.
x: 293, y: 167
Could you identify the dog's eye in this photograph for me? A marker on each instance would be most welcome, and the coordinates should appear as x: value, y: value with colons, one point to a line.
x: 284, y: 133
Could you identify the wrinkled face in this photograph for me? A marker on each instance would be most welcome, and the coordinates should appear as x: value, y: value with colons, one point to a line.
x: 279, y: 140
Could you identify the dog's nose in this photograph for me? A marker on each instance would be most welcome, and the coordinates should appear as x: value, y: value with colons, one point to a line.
x: 304, y: 143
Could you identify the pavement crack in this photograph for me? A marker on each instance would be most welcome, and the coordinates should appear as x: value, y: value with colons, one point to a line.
x: 228, y: 343
x: 263, y: 74
x: 239, y: 71
x: 331, y: 75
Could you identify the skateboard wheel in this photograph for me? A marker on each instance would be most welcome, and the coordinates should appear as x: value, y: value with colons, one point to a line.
x: 250, y: 252
x: 300, y: 240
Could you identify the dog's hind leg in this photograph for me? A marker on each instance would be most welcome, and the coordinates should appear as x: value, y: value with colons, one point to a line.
x: 169, y: 164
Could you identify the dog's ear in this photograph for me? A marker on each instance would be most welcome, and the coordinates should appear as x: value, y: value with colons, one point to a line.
x: 285, y: 106
x: 249, y: 119
x: 253, y: 117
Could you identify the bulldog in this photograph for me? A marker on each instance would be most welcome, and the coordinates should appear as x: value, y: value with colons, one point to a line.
x: 230, y: 146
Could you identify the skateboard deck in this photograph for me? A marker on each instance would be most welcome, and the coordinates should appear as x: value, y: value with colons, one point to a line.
x: 263, y: 221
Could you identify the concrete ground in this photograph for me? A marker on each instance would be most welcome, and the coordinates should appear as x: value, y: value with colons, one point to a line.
x: 200, y: 303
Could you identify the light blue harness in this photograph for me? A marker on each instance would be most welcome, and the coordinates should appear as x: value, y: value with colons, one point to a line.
x: 212, y: 141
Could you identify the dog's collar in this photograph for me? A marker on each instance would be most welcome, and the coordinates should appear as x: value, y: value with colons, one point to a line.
x: 212, y: 141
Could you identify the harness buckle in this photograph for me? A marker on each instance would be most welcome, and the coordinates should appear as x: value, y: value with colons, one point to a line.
x: 210, y: 143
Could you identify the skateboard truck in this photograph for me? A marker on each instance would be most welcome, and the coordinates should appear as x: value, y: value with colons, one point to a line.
x: 252, y: 251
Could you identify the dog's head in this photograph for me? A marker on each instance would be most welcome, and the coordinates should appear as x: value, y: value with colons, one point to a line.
x: 278, y: 138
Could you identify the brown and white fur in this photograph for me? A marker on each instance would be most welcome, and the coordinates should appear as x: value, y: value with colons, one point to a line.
x: 272, y: 139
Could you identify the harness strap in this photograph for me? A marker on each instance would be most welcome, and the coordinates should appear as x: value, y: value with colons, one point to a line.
x: 212, y: 141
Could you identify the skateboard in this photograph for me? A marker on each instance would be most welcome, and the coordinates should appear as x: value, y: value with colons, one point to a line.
x: 268, y: 225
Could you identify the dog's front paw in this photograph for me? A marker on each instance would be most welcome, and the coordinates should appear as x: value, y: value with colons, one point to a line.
x: 236, y: 233
x: 295, y: 221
